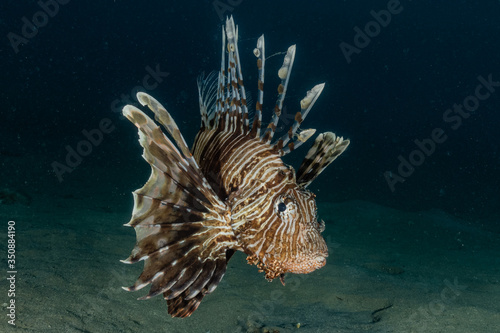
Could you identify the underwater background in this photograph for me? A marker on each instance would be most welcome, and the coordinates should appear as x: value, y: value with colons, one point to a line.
x: 412, y: 208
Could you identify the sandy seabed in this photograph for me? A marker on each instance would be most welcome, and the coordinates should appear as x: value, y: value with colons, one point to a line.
x: 388, y: 271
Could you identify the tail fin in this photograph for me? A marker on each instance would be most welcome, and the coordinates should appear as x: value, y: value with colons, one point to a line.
x: 326, y: 148
x: 182, y: 227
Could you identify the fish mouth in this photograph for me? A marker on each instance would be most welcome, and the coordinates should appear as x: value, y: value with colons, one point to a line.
x: 321, y: 260
x: 306, y: 265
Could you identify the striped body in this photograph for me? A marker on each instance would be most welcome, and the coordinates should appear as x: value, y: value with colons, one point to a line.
x: 253, y: 180
x: 230, y: 192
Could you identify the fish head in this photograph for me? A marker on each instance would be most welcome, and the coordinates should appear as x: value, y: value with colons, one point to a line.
x: 300, y: 248
x: 285, y: 237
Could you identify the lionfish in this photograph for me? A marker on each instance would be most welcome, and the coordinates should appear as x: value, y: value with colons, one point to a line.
x: 230, y: 192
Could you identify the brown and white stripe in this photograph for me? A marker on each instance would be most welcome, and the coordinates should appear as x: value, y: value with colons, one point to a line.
x: 230, y: 192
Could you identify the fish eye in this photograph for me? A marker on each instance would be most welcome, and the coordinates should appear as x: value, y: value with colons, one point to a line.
x: 281, y: 207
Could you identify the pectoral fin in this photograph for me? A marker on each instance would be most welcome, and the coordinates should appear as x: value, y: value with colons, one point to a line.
x: 182, y: 227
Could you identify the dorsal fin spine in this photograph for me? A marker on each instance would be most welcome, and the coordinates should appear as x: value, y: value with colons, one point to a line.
x: 284, y: 74
x: 261, y: 59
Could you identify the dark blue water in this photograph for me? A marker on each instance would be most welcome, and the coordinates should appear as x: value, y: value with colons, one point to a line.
x: 415, y: 86
x: 68, y: 74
